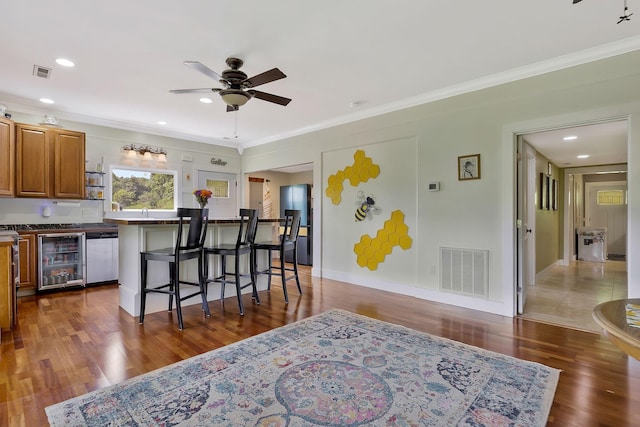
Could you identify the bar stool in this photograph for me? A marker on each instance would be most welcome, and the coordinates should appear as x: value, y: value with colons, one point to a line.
x: 196, y: 219
x: 287, y: 241
x: 243, y: 246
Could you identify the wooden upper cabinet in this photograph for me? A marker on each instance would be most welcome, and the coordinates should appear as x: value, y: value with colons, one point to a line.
x: 49, y: 162
x: 68, y: 154
x: 32, y: 161
x: 7, y: 157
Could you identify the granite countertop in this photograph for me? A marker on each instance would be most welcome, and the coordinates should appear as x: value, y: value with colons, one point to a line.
x: 42, y: 228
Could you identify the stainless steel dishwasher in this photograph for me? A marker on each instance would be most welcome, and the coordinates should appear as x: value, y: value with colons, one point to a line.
x: 102, y: 256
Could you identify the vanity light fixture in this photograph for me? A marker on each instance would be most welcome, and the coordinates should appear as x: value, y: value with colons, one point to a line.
x: 146, y: 151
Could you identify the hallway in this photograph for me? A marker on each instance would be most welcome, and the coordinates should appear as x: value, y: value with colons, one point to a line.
x: 566, y: 295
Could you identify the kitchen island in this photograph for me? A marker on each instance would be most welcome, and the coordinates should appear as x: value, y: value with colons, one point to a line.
x: 139, y: 234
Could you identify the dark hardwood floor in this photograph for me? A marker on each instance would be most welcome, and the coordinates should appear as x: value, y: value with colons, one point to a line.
x: 72, y: 342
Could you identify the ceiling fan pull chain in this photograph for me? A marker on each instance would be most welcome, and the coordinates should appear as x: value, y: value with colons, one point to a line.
x: 235, y: 130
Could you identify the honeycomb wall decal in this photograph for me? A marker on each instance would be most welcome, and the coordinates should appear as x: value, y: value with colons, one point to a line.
x: 372, y: 251
x: 362, y: 169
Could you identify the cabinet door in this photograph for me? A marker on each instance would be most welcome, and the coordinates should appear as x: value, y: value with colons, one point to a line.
x: 32, y: 161
x: 6, y: 282
x: 27, y: 248
x: 68, y: 154
x: 7, y: 157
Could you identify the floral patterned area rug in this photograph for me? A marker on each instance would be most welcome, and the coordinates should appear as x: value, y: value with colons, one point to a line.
x: 333, y: 369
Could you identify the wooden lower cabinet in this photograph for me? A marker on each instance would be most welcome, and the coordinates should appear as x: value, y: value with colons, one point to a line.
x: 7, y: 287
x: 28, y: 261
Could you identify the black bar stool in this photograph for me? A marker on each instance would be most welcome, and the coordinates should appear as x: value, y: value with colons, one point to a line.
x: 243, y: 246
x: 196, y: 219
x: 287, y: 241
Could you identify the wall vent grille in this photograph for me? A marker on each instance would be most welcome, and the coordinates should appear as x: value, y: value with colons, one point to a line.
x: 40, y: 71
x: 464, y: 271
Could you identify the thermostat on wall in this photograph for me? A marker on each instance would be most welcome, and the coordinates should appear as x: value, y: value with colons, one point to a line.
x: 434, y: 186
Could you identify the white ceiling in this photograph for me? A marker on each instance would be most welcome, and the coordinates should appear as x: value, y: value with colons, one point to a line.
x: 604, y: 143
x: 380, y: 55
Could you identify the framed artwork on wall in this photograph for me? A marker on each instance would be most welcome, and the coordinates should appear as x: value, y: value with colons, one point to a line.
x: 468, y: 167
x: 555, y: 197
x: 544, y: 189
x: 549, y: 198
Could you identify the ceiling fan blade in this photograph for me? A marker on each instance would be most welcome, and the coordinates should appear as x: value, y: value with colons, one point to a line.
x: 576, y: 1
x: 266, y: 77
x: 201, y: 90
x: 204, y: 70
x: 270, y: 97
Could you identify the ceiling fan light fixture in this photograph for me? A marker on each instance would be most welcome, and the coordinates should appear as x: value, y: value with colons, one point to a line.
x: 234, y: 97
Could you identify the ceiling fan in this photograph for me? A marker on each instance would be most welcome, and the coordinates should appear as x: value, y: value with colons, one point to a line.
x: 237, y: 88
x: 626, y: 16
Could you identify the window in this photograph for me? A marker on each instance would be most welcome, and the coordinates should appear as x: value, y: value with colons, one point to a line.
x: 134, y: 189
x: 611, y: 197
x: 219, y: 188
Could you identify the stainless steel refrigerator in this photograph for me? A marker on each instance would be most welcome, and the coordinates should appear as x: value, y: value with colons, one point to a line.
x: 299, y: 197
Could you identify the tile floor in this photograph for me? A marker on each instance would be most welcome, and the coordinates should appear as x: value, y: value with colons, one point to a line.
x: 566, y: 295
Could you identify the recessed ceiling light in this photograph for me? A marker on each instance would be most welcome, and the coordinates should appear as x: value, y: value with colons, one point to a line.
x: 161, y: 123
x: 583, y: 156
x: 46, y: 100
x: 569, y: 138
x: 65, y: 62
x: 206, y: 100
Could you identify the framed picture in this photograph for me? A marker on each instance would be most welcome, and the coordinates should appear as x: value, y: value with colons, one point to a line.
x: 543, y: 198
x: 469, y: 167
x: 549, y: 196
x: 554, y: 199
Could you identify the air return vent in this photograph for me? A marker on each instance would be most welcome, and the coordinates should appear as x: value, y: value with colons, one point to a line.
x: 40, y: 71
x: 464, y: 271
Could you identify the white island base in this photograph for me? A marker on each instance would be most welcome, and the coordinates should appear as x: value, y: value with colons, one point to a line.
x: 136, y: 235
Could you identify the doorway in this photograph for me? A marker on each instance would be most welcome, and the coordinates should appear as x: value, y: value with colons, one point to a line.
x: 265, y: 193
x: 564, y: 290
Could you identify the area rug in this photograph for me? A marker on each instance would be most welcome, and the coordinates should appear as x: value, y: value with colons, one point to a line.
x: 333, y: 369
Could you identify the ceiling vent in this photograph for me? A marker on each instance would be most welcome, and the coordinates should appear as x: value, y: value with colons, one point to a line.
x: 40, y: 71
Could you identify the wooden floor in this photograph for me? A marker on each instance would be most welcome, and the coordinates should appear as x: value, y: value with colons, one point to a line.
x: 73, y: 342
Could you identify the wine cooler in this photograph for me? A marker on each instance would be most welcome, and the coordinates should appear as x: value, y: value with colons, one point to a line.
x: 61, y: 260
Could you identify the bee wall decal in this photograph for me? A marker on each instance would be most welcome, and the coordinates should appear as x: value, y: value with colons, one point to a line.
x: 366, y: 206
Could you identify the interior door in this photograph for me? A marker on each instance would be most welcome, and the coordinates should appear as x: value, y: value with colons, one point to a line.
x: 256, y: 197
x: 526, y: 173
x: 606, y: 206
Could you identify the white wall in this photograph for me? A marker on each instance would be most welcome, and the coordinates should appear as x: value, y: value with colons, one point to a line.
x: 472, y: 214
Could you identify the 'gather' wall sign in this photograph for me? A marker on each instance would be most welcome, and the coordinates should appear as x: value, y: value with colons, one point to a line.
x: 218, y: 162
